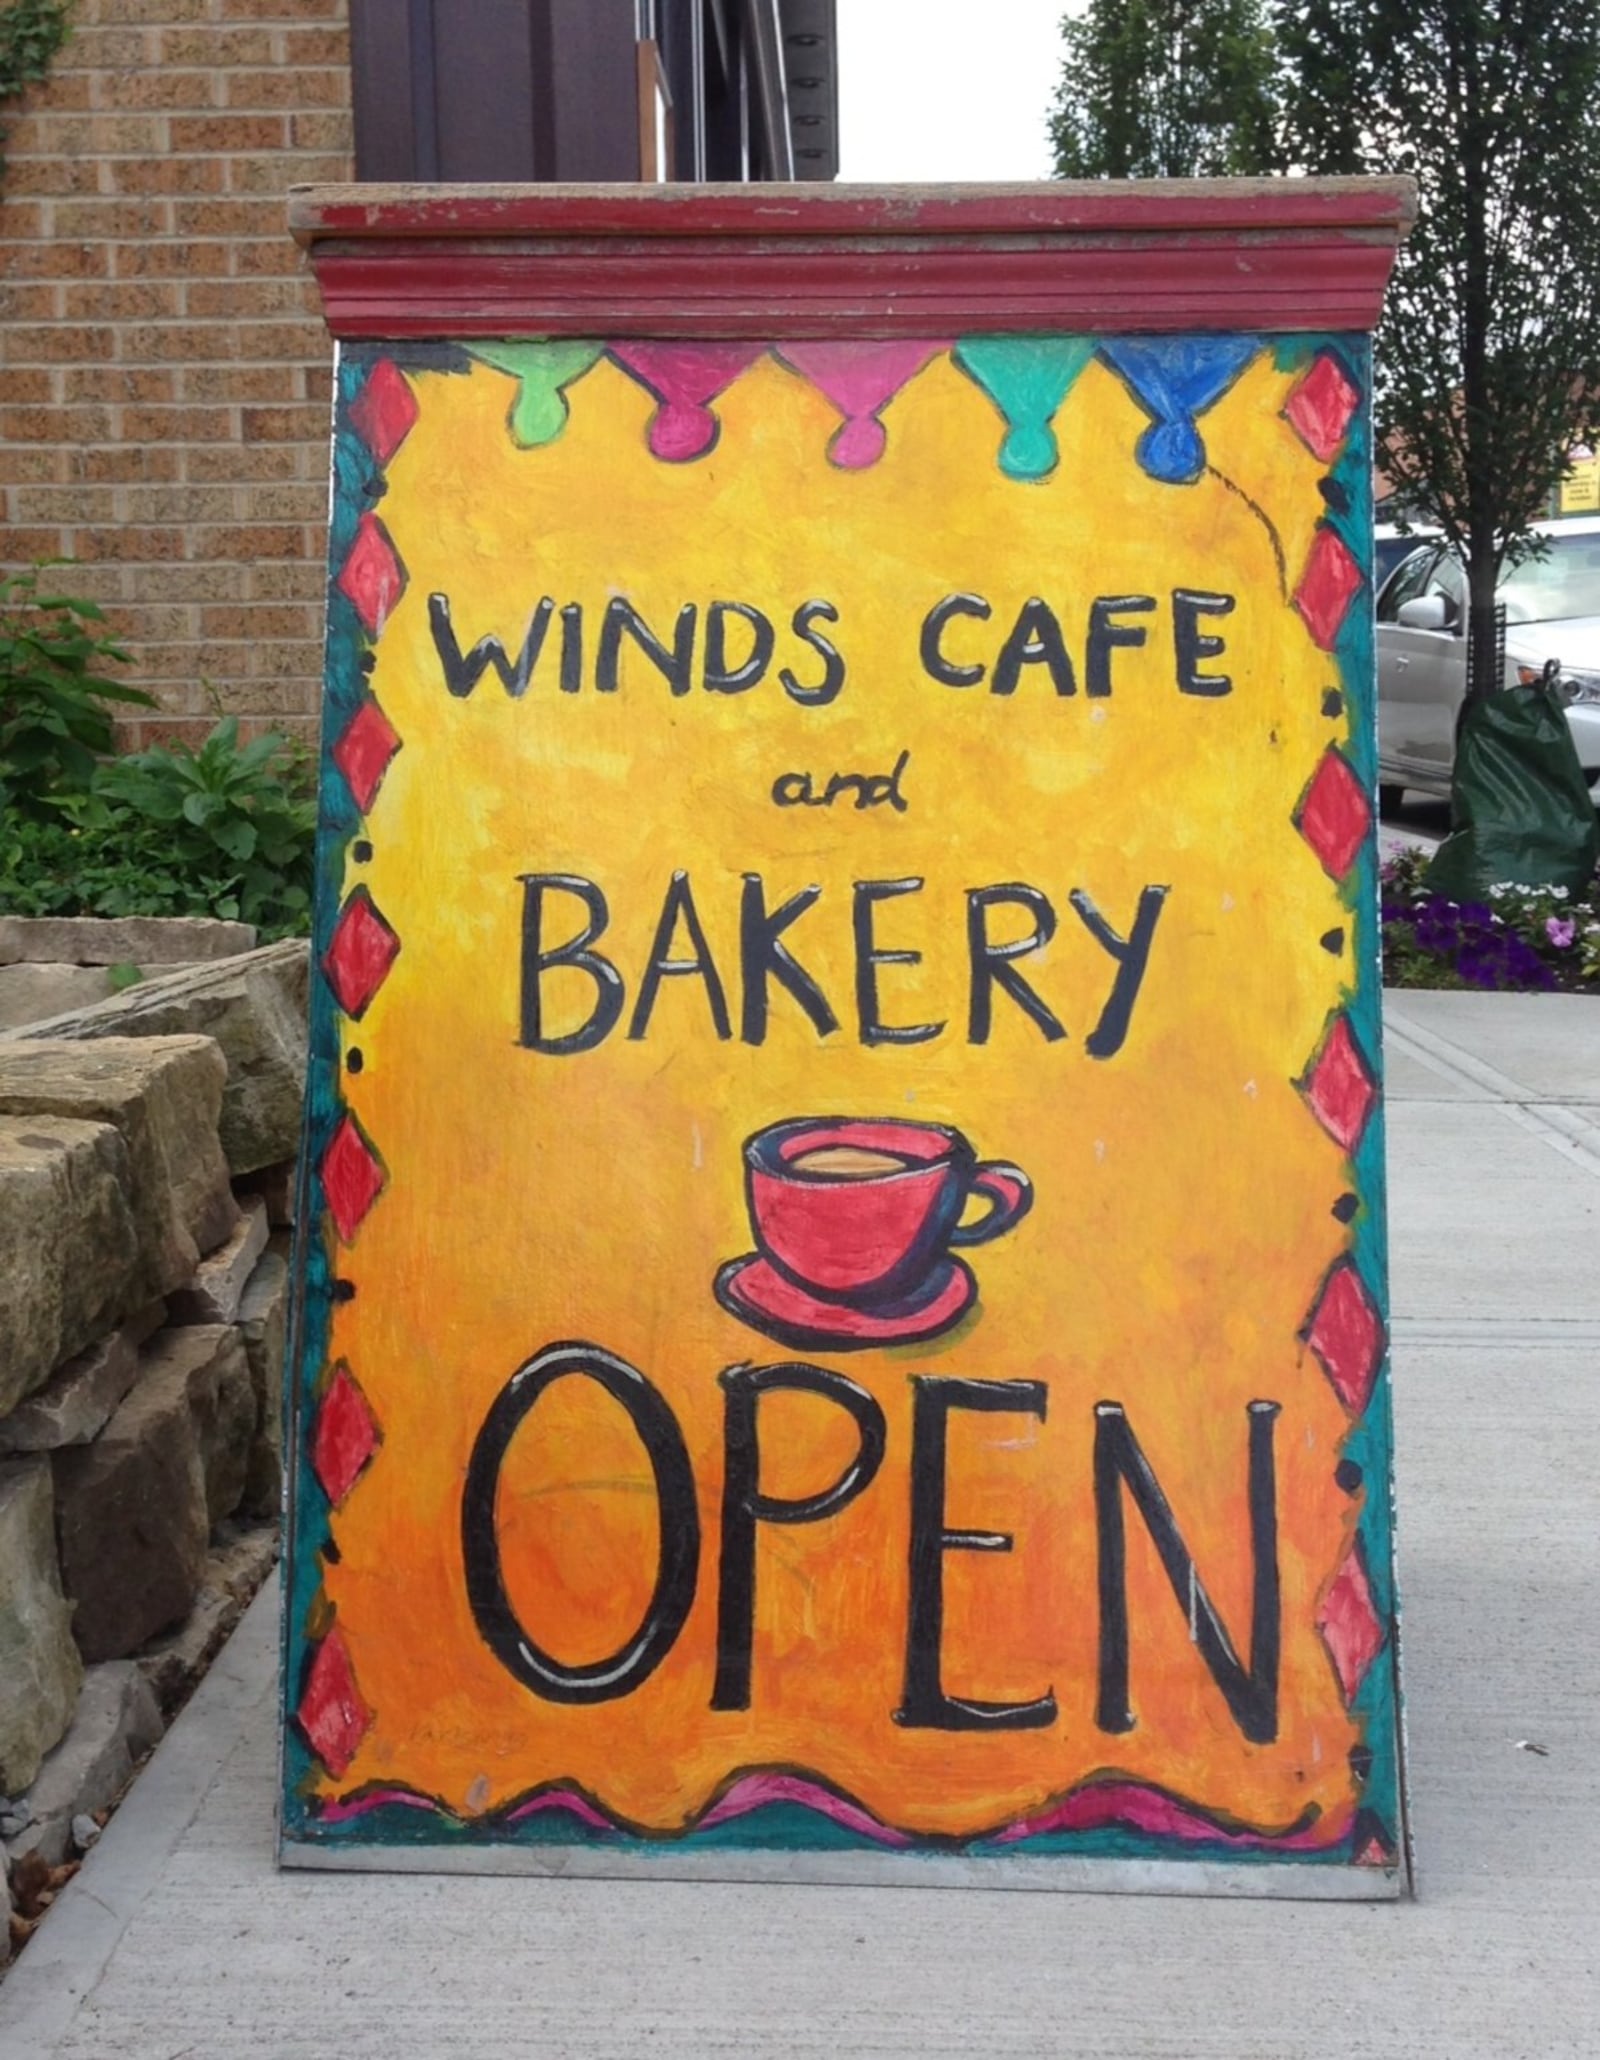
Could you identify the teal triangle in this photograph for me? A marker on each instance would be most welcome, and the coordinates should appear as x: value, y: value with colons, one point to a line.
x: 539, y: 412
x: 1027, y: 378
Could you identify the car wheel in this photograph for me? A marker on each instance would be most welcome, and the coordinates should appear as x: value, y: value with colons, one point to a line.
x: 1389, y: 798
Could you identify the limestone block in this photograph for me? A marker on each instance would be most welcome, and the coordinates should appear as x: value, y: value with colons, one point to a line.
x: 235, y: 1570
x: 263, y: 1324
x: 222, y: 1399
x: 213, y: 1294
x: 132, y: 1514
x: 71, y: 1258
x: 163, y: 1096
x: 77, y: 1399
x: 122, y: 940
x: 40, y: 1670
x: 255, y: 1008
x: 117, y: 1721
x: 29, y: 992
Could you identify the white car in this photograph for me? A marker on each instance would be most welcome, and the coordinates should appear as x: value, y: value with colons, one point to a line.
x: 1552, y: 605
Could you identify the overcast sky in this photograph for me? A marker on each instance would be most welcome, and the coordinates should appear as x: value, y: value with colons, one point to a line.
x: 947, y: 89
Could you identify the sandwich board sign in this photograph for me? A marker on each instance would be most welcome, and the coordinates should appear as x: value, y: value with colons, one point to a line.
x: 841, y: 1288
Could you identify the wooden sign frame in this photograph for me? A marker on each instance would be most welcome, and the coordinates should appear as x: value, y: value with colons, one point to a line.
x: 715, y: 569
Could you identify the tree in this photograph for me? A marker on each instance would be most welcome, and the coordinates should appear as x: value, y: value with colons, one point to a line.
x: 1165, y: 89
x: 1489, y: 352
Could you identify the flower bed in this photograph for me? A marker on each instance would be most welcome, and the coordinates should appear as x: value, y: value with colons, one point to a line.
x: 1523, y: 940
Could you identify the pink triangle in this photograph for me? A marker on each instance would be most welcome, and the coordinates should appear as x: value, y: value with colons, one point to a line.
x: 860, y: 379
x: 684, y: 377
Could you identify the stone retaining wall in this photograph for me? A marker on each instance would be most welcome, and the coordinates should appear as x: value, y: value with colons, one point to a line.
x: 146, y: 1148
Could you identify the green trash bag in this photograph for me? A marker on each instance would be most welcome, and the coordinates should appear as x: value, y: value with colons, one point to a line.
x: 1518, y: 800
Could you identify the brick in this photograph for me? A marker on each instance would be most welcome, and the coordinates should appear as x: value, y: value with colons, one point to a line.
x: 21, y: 220
x: 304, y: 501
x: 35, y: 383
x: 316, y: 45
x: 282, y: 87
x: 233, y: 383
x: 32, y: 463
x: 321, y: 129
x: 116, y: 383
x: 191, y: 730
x: 134, y: 300
x: 165, y: 88
x: 68, y: 505
x: 275, y: 254
x: 165, y: 343
x: 203, y: 582
x: 169, y: 258
x: 23, y: 544
x: 129, y: 544
x: 226, y: 133
x: 236, y: 462
x: 55, y: 343
x: 165, y: 174
x: 92, y: 220
x: 213, y: 46
x: 56, y: 260
x: 307, y: 581
x: 290, y: 689
x: 179, y: 504
x: 244, y: 624
x: 101, y: 50
x: 243, y: 217
x: 157, y: 625
x: 284, y: 425
x: 54, y: 425
x: 35, y: 303
x: 292, y: 661
x: 102, y: 135
x: 158, y: 11
x: 280, y: 10
x: 247, y: 540
x: 292, y: 339
x: 276, y: 171
x: 178, y: 425
x: 53, y: 176
x: 126, y: 462
x: 237, y: 299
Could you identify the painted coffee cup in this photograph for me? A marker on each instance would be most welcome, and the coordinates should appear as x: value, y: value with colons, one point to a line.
x: 861, y: 1209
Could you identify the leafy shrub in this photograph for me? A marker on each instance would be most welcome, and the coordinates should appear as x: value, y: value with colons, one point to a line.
x: 227, y: 830
x: 55, y: 717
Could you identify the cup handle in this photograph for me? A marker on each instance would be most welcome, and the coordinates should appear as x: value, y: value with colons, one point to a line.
x: 1010, y: 1194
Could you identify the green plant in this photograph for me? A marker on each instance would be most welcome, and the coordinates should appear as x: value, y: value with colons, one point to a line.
x: 55, y: 721
x: 31, y: 34
x: 238, y: 817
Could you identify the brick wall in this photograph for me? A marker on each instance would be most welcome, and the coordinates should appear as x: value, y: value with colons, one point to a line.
x: 163, y: 370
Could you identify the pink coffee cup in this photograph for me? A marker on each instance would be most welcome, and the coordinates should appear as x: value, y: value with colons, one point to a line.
x: 861, y: 1210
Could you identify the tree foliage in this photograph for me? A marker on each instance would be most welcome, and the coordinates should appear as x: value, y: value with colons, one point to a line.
x: 1488, y: 359
x: 1489, y: 352
x: 1164, y: 89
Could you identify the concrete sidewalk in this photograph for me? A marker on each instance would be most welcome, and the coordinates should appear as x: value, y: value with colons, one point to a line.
x: 179, y: 1941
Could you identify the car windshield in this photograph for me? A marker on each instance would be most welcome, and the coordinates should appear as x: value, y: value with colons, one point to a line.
x: 1563, y: 581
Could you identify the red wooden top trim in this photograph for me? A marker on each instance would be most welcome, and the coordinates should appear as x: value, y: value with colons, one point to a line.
x: 789, y: 261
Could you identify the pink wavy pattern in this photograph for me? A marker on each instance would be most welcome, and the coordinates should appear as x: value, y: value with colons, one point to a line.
x: 1147, y: 1809
x: 1091, y: 1808
x: 755, y: 1791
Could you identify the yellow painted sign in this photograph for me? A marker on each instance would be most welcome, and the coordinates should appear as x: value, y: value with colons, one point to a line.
x: 845, y: 1313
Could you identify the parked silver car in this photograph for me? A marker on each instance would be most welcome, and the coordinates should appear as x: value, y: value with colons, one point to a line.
x: 1552, y: 603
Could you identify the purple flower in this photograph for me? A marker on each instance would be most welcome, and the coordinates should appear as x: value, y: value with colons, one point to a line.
x: 1561, y: 931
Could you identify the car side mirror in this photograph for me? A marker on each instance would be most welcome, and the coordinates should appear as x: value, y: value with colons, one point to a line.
x: 1427, y: 611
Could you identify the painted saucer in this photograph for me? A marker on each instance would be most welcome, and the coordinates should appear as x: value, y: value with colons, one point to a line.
x: 758, y: 1294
